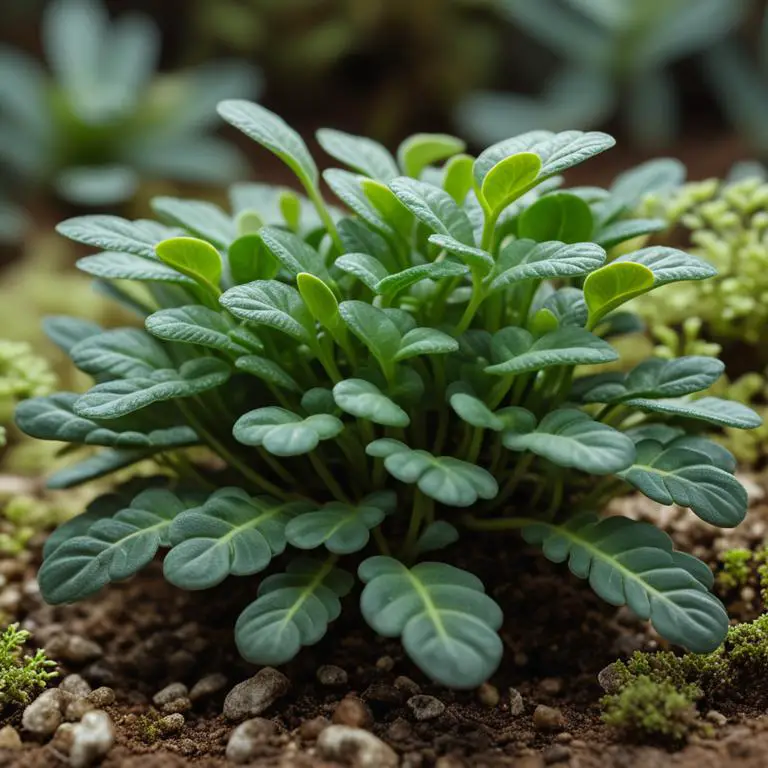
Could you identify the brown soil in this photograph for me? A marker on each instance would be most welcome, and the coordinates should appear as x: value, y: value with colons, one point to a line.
x: 558, y: 636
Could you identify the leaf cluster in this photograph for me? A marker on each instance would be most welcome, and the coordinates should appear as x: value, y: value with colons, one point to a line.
x: 380, y: 377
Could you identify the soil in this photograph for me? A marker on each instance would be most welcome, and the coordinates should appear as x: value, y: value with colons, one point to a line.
x: 557, y: 634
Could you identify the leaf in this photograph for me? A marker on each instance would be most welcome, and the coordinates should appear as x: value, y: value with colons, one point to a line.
x: 292, y: 252
x: 65, y: 331
x: 613, y: 285
x: 367, y: 269
x: 121, y: 353
x: 447, y: 623
x: 560, y: 216
x: 230, y: 534
x: 98, y: 465
x: 293, y: 609
x: 475, y: 258
x: 199, y: 325
x: 114, y: 399
x: 714, y: 410
x: 320, y: 300
x: 348, y: 188
x: 384, y: 201
x: 437, y: 535
x: 250, y: 259
x: 340, y: 528
x: 686, y: 472
x: 361, y: 154
x: 570, y: 438
x: 434, y: 207
x: 425, y: 341
x: 653, y: 378
x: 123, y: 266
x: 364, y: 400
x: 509, y: 179
x: 450, y: 481
x: 627, y: 229
x: 273, y: 133
x: 373, y: 327
x: 529, y: 260
x: 111, y: 550
x: 631, y: 563
x: 271, y: 303
x: 669, y: 265
x: 515, y: 350
x: 558, y: 151
x: 475, y: 412
x: 568, y: 306
x: 457, y: 178
x: 204, y: 220
x: 267, y: 370
x: 423, y: 149
x: 54, y: 418
x: 194, y: 258
x: 283, y: 433
x: 433, y: 270
x: 111, y: 233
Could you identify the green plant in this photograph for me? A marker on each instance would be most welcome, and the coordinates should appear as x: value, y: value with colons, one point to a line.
x: 616, y: 57
x: 21, y: 675
x: 103, y: 120
x: 365, y: 376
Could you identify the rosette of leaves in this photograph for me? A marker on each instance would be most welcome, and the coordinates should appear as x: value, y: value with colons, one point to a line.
x: 101, y: 119
x: 378, y: 379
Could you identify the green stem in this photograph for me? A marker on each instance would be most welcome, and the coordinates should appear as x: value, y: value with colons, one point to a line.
x: 475, y: 445
x: 322, y: 210
x: 496, y: 524
x: 329, y: 480
x: 499, y: 392
x: 420, y: 511
x: 478, y: 294
x: 276, y: 467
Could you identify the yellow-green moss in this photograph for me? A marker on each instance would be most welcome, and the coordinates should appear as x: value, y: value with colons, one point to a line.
x: 21, y: 675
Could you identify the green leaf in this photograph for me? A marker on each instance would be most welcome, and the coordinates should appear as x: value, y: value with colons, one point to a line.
x: 114, y: 399
x: 273, y: 133
x: 437, y: 535
x: 271, y: 303
x: 341, y: 528
x: 426, y: 341
x: 687, y: 472
x: 230, y: 534
x: 633, y: 186
x: 560, y: 216
x: 348, y: 187
x: 204, y: 220
x: 205, y: 327
x: 95, y: 466
x: 627, y: 229
x: 122, y: 353
x: 447, y: 623
x: 364, y: 400
x: 65, y: 331
x: 509, y: 179
x: 475, y: 258
x: 250, y: 259
x: 475, y: 412
x: 367, y: 269
x: 423, y: 149
x: 319, y: 298
x: 194, y: 258
x: 292, y: 252
x: 714, y: 410
x: 568, y: 306
x: 529, y: 260
x: 373, y: 327
x: 283, y: 433
x: 613, y: 285
x: 570, y: 438
x: 653, y: 378
x: 384, y: 201
x: 293, y: 609
x: 434, y: 207
x: 267, y: 370
x: 450, y: 481
x: 515, y: 350
x: 111, y: 550
x: 123, y: 266
x: 631, y: 563
x: 457, y: 179
x: 54, y: 418
x: 669, y: 265
x: 433, y: 270
x: 111, y: 233
x: 361, y: 154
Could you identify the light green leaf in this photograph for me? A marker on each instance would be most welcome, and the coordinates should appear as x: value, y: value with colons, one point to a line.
x: 437, y: 535
x: 423, y: 149
x: 509, y: 179
x: 319, y: 298
x: 267, y: 370
x: 367, y: 269
x: 433, y: 270
x: 631, y: 563
x: 194, y: 258
x: 364, y: 400
x: 613, y: 285
x: 273, y: 133
x: 123, y: 266
x: 284, y: 433
x: 447, y: 623
x: 457, y: 178
x: 250, y: 259
x: 361, y: 154
x: 292, y: 252
x: 450, y: 481
x: 426, y: 341
x: 714, y: 410
x: 373, y: 327
x: 475, y: 412
x: 384, y: 201
x: 559, y: 216
x: 669, y: 265
x: 202, y: 219
x: 570, y: 438
x: 475, y: 258
x: 111, y: 233
x: 348, y: 187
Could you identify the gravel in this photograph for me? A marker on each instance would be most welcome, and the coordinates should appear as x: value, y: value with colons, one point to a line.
x: 92, y: 738
x: 255, y: 695
x: 356, y: 747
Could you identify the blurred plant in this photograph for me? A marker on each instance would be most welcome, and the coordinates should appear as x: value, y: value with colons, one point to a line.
x: 103, y: 119
x: 21, y: 675
x: 13, y: 222
x: 615, y: 57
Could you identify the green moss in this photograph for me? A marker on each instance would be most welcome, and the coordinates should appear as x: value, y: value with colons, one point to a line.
x: 148, y: 727
x: 21, y: 675
x: 737, y: 569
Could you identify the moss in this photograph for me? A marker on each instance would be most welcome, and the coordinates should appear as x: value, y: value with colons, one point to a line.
x: 148, y: 727
x: 737, y: 569
x: 21, y: 675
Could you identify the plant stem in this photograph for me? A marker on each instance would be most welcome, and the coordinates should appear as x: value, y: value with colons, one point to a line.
x: 421, y: 510
x: 322, y: 210
x: 329, y: 480
x: 478, y: 294
x: 497, y: 523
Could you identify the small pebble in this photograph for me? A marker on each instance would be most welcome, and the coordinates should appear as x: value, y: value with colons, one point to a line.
x: 330, y: 675
x: 382, y: 693
x: 75, y: 685
x: 425, y: 707
x: 385, y: 664
x: 551, y: 686
x: 73, y: 648
x: 245, y: 740
x: 399, y: 730
x: 488, y: 695
x: 309, y: 730
x: 516, y: 703
x: 43, y: 716
x: 207, y: 686
x: 9, y: 738
x: 548, y: 719
x: 62, y: 739
x: 77, y: 708
x: 716, y: 717
x: 170, y: 724
x: 556, y: 754
x: 564, y: 738
x: 170, y: 693
x: 352, y: 712
x: 407, y: 686
x: 92, y: 738
x: 102, y: 697
x: 356, y: 747
x: 255, y: 695
x: 182, y: 704
x: 609, y: 679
